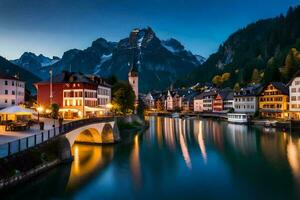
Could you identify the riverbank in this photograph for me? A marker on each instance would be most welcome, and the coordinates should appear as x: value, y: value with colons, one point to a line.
x: 21, y: 167
x: 283, y: 125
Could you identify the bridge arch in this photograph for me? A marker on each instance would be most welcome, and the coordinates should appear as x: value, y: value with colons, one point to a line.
x: 98, y: 133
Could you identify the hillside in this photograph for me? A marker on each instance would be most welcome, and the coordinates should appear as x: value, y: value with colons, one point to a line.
x: 7, y: 67
x: 257, y: 51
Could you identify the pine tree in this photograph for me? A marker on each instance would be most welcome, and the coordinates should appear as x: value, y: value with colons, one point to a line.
x: 292, y: 63
x: 256, y: 78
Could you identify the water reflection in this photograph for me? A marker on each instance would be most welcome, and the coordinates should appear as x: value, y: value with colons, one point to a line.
x: 88, y: 159
x: 293, y: 154
x: 183, y: 144
x: 135, y: 162
x: 201, y: 141
x: 182, y: 159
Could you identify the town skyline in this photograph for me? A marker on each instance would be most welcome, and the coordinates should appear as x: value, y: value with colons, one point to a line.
x: 56, y: 27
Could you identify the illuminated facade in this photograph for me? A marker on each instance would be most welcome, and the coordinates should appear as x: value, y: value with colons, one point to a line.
x: 273, y: 101
x: 223, y: 102
x: 294, y: 89
x: 77, y: 95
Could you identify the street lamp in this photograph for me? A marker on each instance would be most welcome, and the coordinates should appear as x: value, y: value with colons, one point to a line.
x: 39, y: 109
x: 109, y: 106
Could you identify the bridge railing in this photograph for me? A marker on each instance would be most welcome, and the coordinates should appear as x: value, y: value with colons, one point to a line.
x: 22, y: 144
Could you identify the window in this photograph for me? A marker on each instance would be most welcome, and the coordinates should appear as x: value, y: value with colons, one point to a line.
x: 13, y: 83
x: 5, y: 101
x: 293, y: 98
x: 6, y: 91
x: 293, y: 90
x: 13, y: 92
x: 6, y: 83
x: 13, y: 102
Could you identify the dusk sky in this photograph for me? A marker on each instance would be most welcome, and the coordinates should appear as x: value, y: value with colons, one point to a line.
x: 52, y: 27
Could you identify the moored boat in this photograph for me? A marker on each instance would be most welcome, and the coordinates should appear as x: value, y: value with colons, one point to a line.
x: 175, y: 115
x: 240, y: 118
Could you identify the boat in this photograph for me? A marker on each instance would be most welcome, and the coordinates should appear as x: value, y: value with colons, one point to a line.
x: 239, y: 118
x: 175, y: 115
x: 270, y: 124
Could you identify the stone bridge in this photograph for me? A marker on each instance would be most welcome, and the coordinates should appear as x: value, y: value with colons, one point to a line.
x: 94, y: 131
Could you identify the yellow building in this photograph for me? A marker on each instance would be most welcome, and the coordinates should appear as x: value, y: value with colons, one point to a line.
x: 273, y: 101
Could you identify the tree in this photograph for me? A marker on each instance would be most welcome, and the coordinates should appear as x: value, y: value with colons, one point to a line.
x: 123, y: 98
x: 225, y: 77
x: 112, y: 79
x: 272, y: 73
x: 237, y: 87
x: 292, y: 63
x: 256, y: 78
x: 54, y: 112
x: 217, y: 80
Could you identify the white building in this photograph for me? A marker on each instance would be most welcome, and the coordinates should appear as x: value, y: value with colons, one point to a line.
x: 208, y: 97
x: 198, y: 103
x: 149, y: 101
x: 246, y: 100
x: 104, y: 96
x: 294, y: 89
x: 12, y: 91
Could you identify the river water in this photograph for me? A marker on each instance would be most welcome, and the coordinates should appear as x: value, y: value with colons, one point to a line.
x: 178, y: 159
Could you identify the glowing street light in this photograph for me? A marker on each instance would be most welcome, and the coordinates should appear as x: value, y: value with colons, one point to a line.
x: 109, y: 106
x: 39, y: 109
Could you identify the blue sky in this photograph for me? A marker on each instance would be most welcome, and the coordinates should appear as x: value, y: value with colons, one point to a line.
x: 54, y: 26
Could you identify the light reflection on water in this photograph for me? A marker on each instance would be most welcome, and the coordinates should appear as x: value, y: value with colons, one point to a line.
x: 183, y: 159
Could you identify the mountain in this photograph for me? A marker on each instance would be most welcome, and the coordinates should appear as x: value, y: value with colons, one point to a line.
x: 161, y: 62
x: 35, y: 64
x: 259, y: 48
x: 11, y: 69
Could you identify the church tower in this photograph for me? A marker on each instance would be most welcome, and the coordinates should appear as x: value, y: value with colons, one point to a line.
x: 133, y: 79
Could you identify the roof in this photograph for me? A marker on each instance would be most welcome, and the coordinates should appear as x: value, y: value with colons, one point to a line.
x: 252, y: 90
x: 9, y: 77
x: 279, y: 86
x: 76, y: 77
x: 16, y: 110
x: 190, y: 95
x: 226, y: 94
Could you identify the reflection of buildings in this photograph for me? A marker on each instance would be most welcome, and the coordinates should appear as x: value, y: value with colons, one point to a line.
x: 293, y: 154
x: 241, y: 138
x: 184, y: 147
x: 135, y: 162
x: 201, y: 142
x: 169, y: 132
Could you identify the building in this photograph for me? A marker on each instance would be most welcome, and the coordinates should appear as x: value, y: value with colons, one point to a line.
x: 223, y: 102
x: 294, y: 91
x: 77, y: 95
x: 161, y: 102
x: 12, y: 91
x: 246, y: 99
x: 188, y: 100
x: 273, y: 101
x: 208, y: 97
x: 198, y: 103
x: 173, y: 102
